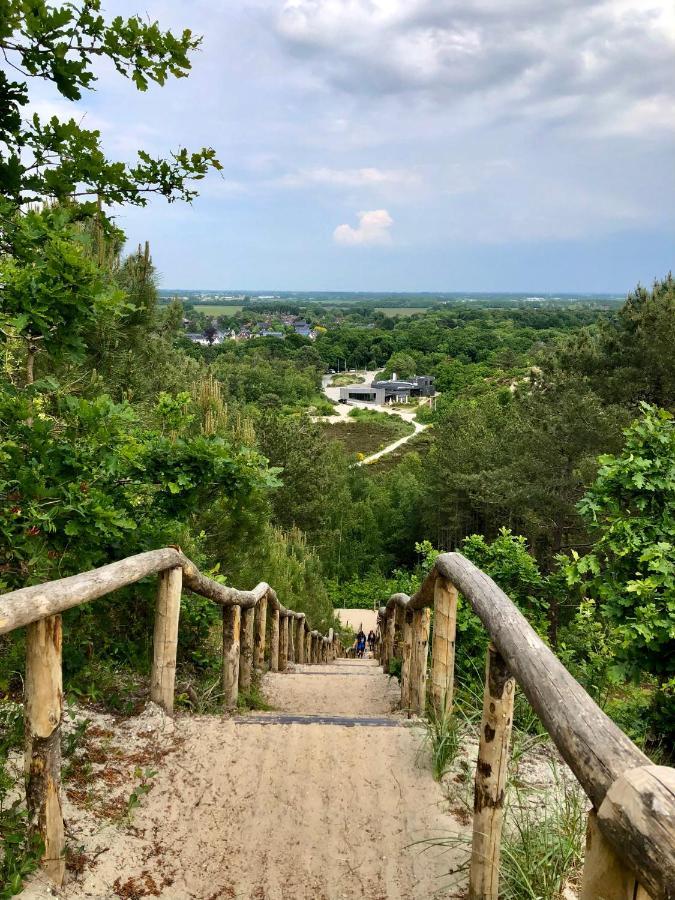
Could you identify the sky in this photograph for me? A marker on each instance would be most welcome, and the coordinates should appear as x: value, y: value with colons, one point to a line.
x: 405, y: 145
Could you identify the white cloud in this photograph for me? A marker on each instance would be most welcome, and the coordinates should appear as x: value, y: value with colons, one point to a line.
x: 373, y: 229
x: 364, y: 177
x: 597, y: 59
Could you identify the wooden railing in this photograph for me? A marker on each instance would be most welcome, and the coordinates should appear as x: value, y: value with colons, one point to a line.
x: 245, y: 648
x: 630, y: 844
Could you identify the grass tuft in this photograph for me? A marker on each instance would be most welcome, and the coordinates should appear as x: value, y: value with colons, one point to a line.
x: 542, y: 850
x: 442, y: 738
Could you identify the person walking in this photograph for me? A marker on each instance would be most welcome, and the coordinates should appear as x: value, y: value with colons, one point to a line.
x: 360, y: 644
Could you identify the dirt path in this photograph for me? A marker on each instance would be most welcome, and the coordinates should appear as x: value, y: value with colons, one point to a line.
x: 393, y: 446
x: 276, y: 811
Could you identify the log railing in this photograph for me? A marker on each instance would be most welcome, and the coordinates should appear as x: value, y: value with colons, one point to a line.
x: 245, y: 648
x: 630, y: 844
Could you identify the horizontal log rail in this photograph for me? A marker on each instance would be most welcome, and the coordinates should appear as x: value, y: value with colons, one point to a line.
x: 631, y: 830
x: 248, y: 641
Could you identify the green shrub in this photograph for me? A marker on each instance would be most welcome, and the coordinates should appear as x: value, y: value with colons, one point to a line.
x: 395, y: 667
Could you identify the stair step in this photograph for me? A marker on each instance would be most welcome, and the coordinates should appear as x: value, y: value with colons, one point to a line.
x: 291, y: 719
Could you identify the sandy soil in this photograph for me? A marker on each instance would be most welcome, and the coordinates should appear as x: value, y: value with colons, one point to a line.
x: 267, y: 812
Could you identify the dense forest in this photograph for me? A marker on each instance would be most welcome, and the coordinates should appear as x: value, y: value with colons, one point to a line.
x: 550, y: 460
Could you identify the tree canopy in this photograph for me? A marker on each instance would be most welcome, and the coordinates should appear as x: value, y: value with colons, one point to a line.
x: 51, y: 158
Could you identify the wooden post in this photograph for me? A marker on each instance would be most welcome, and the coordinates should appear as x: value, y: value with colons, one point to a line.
x: 308, y: 647
x: 291, y: 639
x: 247, y: 639
x: 389, y: 640
x: 231, y: 653
x: 300, y: 640
x: 407, y: 654
x: 443, y: 651
x: 606, y: 875
x: 638, y: 815
x: 399, y: 620
x: 260, y: 631
x: 165, y: 641
x: 283, y: 643
x: 315, y: 648
x: 418, y: 660
x: 274, y: 641
x: 42, y: 761
x: 491, y: 771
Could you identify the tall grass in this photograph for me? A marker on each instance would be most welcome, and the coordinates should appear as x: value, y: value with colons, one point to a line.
x: 441, y: 736
x: 542, y: 850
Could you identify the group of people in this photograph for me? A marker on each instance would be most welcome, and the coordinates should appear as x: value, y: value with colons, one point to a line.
x: 362, y: 640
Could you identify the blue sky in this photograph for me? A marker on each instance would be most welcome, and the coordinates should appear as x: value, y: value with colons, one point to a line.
x: 410, y: 144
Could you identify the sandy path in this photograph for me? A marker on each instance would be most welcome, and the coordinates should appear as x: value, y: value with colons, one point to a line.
x: 280, y: 812
x: 393, y: 446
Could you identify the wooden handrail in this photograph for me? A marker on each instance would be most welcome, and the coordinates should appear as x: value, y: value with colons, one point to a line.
x: 635, y: 801
x: 39, y: 608
x: 30, y: 604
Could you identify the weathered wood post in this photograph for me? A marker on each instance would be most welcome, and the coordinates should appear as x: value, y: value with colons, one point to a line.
x: 443, y: 650
x: 490, y: 783
x: 308, y: 646
x: 231, y: 654
x: 606, y: 874
x: 407, y: 659
x: 300, y: 640
x: 638, y: 812
x: 389, y: 640
x: 283, y: 643
x: 274, y: 640
x: 291, y: 638
x: 42, y: 761
x: 315, y: 647
x: 165, y: 641
x: 260, y: 632
x: 247, y: 640
x: 399, y: 621
x: 418, y: 660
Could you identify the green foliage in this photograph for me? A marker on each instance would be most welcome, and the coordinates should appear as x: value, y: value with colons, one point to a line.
x: 395, y: 668
x: 629, y: 357
x: 630, y: 510
x: 401, y: 363
x: 60, y: 159
x: 253, y: 698
x: 144, y: 786
x: 362, y: 592
x: 87, y: 482
x: 507, y: 561
x: 51, y: 290
x: 254, y: 377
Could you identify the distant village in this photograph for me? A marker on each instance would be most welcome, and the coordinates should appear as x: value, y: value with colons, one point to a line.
x: 212, y: 335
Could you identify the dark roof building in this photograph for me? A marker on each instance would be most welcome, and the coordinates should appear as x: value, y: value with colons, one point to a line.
x: 393, y: 390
